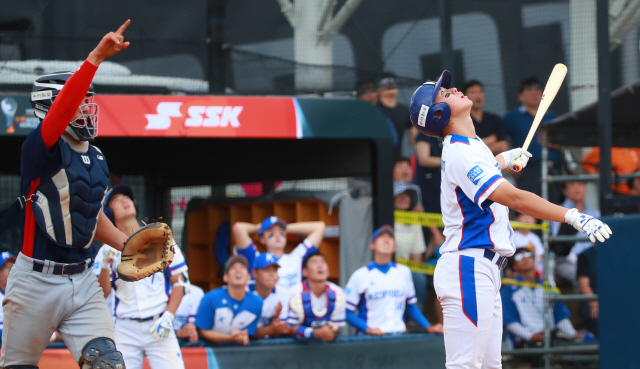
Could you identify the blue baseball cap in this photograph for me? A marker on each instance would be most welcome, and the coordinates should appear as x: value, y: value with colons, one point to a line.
x: 6, y: 256
x: 264, y: 260
x: 270, y: 222
x: 384, y: 229
x: 119, y: 189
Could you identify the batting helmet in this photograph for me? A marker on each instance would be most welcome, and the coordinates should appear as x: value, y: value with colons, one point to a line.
x: 422, y: 109
x: 119, y: 189
x: 44, y: 91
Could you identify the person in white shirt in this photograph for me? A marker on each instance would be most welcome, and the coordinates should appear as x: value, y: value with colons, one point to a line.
x: 379, y: 293
x: 524, y: 237
x: 144, y: 310
x: 475, y: 198
x: 316, y: 306
x: 6, y: 263
x: 273, y: 321
x: 184, y: 322
x: 273, y: 235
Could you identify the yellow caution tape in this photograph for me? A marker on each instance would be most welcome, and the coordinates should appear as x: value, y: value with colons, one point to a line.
x: 428, y: 269
x: 435, y: 220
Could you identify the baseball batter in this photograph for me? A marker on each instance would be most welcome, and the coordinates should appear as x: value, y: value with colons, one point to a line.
x: 63, y: 180
x: 475, y: 199
x: 145, y: 309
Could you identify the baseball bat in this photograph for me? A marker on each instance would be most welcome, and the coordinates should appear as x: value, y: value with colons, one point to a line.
x: 549, y: 93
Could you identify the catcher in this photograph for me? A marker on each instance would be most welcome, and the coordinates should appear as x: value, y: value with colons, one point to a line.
x: 143, y: 314
x: 63, y: 179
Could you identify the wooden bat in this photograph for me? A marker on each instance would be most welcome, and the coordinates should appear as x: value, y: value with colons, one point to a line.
x: 549, y: 93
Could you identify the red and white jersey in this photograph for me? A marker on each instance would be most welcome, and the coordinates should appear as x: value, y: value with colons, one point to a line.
x: 148, y: 296
x: 470, y: 173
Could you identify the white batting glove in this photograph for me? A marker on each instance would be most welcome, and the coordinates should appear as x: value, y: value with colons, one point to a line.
x: 514, y: 154
x: 162, y: 327
x: 108, y: 255
x: 592, y: 227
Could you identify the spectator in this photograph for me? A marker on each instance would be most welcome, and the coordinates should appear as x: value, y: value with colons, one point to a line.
x: 488, y: 125
x: 273, y: 319
x: 409, y: 238
x: 517, y: 123
x: 588, y: 285
x: 316, y: 307
x: 398, y: 114
x: 378, y: 294
x: 525, y: 238
x: 229, y: 313
x: 402, y: 171
x: 273, y: 235
x: 366, y: 90
x: 429, y: 153
x: 567, y: 252
x: 6, y: 263
x: 523, y: 307
x: 624, y: 160
x: 184, y: 323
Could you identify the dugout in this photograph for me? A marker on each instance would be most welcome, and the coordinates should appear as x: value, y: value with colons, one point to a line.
x: 617, y: 258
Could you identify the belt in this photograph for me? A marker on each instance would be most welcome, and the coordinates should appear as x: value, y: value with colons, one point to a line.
x: 501, y: 262
x: 140, y: 320
x: 50, y: 267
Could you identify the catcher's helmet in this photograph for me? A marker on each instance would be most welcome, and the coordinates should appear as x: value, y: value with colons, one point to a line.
x: 44, y: 91
x: 422, y: 109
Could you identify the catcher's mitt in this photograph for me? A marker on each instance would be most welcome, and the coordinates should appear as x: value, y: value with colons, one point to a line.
x: 147, y: 251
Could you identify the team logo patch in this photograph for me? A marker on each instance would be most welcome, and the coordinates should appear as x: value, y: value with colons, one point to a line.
x: 475, y: 174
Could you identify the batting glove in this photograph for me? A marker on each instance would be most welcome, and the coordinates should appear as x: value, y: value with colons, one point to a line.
x: 514, y: 154
x: 108, y: 254
x: 592, y: 227
x: 162, y: 327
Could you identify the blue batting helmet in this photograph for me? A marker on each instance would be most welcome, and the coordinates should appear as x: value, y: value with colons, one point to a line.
x: 423, y: 111
x: 119, y: 189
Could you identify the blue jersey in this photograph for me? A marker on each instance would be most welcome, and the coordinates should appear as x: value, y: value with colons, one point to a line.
x: 69, y: 186
x: 218, y: 311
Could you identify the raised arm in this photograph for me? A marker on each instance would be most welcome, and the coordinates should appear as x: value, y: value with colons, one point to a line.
x: 313, y: 230
x: 242, y: 234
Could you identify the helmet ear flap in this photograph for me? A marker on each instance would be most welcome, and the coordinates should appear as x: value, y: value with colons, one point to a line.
x: 438, y: 117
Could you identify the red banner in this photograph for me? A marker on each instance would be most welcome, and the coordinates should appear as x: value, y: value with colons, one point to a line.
x: 197, y: 116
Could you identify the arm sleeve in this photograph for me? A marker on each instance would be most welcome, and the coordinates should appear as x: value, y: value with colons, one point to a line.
x: 303, y: 248
x: 206, y: 313
x: 566, y: 327
x: 411, y: 289
x: 520, y: 331
x: 353, y: 292
x: 417, y: 316
x: 66, y: 103
x: 178, y: 265
x: 475, y: 176
x: 356, y: 321
x: 560, y: 311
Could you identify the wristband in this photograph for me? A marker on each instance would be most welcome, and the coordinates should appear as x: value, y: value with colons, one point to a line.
x: 571, y: 215
x: 507, y: 158
x: 304, y: 332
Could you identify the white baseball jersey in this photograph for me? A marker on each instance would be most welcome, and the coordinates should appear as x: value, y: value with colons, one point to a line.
x: 2, y: 312
x: 379, y: 295
x: 319, y: 307
x: 96, y: 268
x: 470, y: 173
x: 270, y: 302
x: 188, y: 308
x: 148, y: 296
x: 290, y: 271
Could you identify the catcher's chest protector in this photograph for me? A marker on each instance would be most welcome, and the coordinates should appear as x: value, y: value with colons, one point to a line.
x: 66, y: 206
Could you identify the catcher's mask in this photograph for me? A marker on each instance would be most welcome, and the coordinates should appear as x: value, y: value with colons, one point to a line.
x: 47, y: 87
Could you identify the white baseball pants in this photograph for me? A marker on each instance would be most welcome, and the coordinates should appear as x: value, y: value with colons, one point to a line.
x: 134, y: 340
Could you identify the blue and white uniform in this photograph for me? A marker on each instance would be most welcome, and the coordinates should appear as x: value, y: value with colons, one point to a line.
x: 111, y: 299
x: 290, y: 271
x: 378, y: 295
x: 478, y: 235
x: 221, y: 313
x: 310, y: 311
x: 278, y: 295
x: 188, y: 309
x: 137, y: 306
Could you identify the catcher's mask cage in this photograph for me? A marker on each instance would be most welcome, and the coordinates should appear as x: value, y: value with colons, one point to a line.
x: 44, y: 91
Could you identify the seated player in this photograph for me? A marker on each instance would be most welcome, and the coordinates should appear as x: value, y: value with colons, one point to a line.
x: 523, y: 307
x: 273, y: 320
x: 6, y: 263
x: 184, y: 322
x: 229, y: 313
x: 316, y: 306
x: 379, y: 294
x: 273, y: 235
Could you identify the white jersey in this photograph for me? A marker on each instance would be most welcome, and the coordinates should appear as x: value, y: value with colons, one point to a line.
x: 379, y: 295
x: 96, y: 268
x: 317, y: 317
x: 470, y: 173
x: 148, y: 296
x: 2, y: 312
x: 278, y: 295
x: 188, y: 308
x: 290, y: 271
